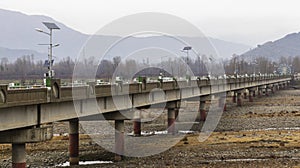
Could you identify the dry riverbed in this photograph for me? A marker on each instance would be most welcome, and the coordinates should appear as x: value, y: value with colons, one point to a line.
x: 265, y: 133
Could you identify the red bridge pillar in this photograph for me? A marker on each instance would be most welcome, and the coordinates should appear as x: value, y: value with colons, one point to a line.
x: 18, y: 155
x: 245, y: 95
x: 222, y: 103
x: 137, y: 124
x: 234, y: 97
x: 74, y: 142
x: 259, y: 92
x: 137, y: 127
x: 266, y: 91
x: 171, y: 120
x: 202, y: 111
x: 119, y: 139
x: 239, y: 99
x: 251, y: 95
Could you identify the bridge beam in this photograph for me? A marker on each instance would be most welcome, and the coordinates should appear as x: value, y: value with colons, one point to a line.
x: 74, y: 142
x: 18, y: 155
x: 119, y: 140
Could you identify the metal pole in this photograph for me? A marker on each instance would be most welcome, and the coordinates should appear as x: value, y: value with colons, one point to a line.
x: 50, y: 55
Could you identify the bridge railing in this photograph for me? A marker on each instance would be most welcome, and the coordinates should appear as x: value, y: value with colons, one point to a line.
x: 16, y: 97
x: 57, y: 93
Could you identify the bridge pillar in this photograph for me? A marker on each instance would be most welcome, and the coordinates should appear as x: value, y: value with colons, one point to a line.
x: 202, y: 111
x: 18, y: 155
x: 137, y: 124
x: 177, y: 114
x: 74, y: 142
x: 19, y: 137
x: 239, y: 99
x: 259, y: 92
x: 251, y: 92
x: 171, y: 120
x: 119, y: 139
x: 272, y: 90
x: 281, y: 86
x: 266, y: 91
x: 137, y: 127
x: 245, y: 95
x: 276, y: 87
x: 234, y: 97
x: 222, y: 103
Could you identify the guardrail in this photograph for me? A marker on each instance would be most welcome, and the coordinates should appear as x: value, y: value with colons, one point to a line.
x: 58, y: 93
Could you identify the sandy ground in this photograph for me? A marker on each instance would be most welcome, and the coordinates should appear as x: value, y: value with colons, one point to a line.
x: 264, y: 133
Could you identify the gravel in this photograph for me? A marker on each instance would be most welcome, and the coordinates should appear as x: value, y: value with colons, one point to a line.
x: 262, y: 133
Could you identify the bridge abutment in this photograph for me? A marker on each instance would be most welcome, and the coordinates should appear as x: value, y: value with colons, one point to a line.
x: 74, y: 142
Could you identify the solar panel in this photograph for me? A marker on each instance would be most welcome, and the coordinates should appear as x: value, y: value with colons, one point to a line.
x: 47, y: 63
x: 187, y: 48
x: 51, y: 25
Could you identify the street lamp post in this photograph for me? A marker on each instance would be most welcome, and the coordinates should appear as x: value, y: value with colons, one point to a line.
x: 186, y: 50
x: 50, y: 26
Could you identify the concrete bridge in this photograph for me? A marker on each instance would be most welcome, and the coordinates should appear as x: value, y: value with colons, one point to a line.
x: 26, y: 114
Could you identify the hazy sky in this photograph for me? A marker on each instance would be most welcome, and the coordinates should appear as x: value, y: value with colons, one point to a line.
x: 250, y: 22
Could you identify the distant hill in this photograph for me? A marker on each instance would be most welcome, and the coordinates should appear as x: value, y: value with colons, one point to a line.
x: 13, y: 54
x: 17, y: 31
x: 284, y: 47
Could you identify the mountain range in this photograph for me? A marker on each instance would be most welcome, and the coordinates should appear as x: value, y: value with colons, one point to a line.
x: 288, y: 46
x: 19, y: 37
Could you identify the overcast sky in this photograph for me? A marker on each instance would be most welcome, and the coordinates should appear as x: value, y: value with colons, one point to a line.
x: 250, y: 22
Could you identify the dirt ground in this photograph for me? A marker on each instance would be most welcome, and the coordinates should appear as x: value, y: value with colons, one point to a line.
x: 263, y: 133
